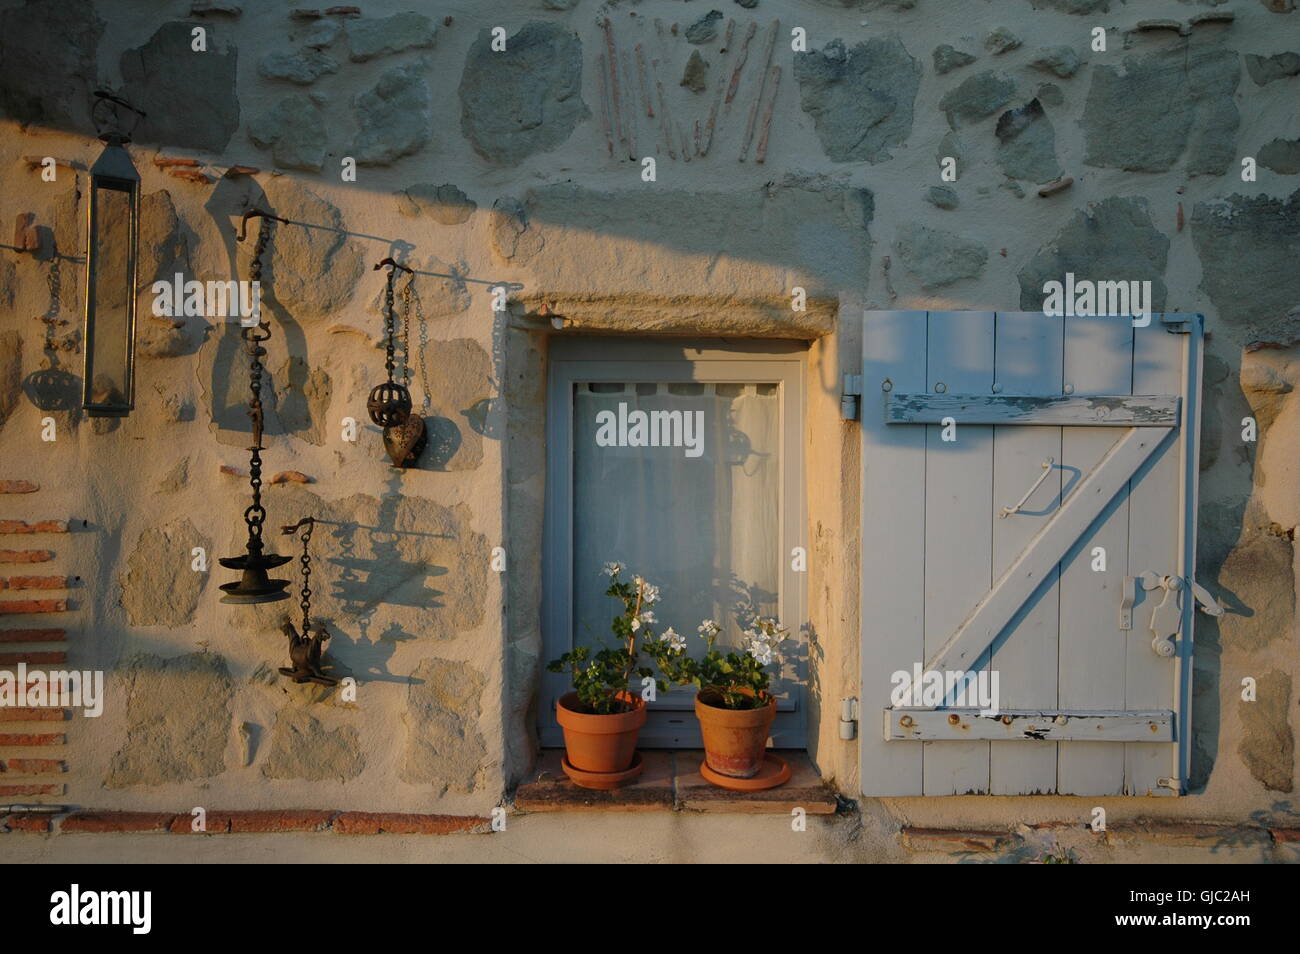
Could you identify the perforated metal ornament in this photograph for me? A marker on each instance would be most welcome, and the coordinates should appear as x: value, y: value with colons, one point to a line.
x: 389, y: 404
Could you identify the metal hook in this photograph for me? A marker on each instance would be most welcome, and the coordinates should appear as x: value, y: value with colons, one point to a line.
x: 255, y: 214
x: 394, y: 263
x: 304, y: 522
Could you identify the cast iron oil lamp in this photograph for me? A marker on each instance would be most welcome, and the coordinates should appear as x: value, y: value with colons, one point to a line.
x: 112, y: 246
x: 255, y: 584
x: 305, y: 647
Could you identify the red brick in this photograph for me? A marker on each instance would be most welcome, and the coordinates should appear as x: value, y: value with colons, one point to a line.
x: 281, y: 820
x: 164, y: 162
x: 31, y: 714
x: 1180, y: 834
x: 43, y: 738
x: 13, y: 607
x: 26, y: 238
x: 40, y: 526
x: 1285, y: 834
x: 38, y: 823
x: 18, y: 487
x: 33, y: 766
x: 34, y: 583
x: 17, y: 791
x: 399, y: 823
x: 26, y: 556
x: 216, y: 823
x: 32, y: 658
x: 33, y: 635
x: 95, y: 822
x: 956, y: 840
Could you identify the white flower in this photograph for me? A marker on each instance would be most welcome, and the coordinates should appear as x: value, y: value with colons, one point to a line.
x: 649, y: 594
x: 675, y: 642
x: 648, y: 617
x: 761, y: 651
x: 707, y: 627
x: 636, y: 624
x: 613, y: 569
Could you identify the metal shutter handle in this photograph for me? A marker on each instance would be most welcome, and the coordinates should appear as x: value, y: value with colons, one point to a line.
x: 1047, y: 469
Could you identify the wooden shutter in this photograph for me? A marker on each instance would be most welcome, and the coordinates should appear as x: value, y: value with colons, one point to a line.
x: 978, y: 554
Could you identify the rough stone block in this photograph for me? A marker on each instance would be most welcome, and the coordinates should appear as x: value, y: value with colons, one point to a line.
x: 302, y: 747
x: 860, y: 99
x: 165, y: 72
x: 1239, y: 238
x: 1112, y: 240
x: 1267, y: 743
x: 1177, y: 100
x: 177, y: 720
x: 368, y: 38
x: 443, y: 744
x: 393, y: 118
x: 159, y: 587
x: 525, y: 100
x: 937, y: 257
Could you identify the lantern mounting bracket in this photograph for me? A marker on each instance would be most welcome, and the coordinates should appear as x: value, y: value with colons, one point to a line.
x: 256, y: 213
x: 103, y: 97
x: 394, y: 263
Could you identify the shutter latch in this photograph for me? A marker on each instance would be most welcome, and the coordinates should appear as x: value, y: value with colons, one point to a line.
x: 1167, y: 617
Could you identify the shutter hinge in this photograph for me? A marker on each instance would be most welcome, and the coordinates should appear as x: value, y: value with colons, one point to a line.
x: 851, y: 398
x: 849, y: 718
x: 1179, y: 324
x: 1175, y: 785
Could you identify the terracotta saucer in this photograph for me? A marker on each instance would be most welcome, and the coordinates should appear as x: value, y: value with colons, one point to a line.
x: 602, y: 780
x: 773, y: 772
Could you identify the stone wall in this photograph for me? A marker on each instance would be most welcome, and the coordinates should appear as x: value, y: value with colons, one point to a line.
x: 523, y: 166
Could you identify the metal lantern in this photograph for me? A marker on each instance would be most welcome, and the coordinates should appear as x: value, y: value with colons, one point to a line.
x: 112, y: 246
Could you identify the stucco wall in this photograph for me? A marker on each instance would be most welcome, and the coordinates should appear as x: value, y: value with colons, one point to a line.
x: 1152, y: 132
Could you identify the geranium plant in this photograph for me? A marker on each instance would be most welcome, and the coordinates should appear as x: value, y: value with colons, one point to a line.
x: 739, y: 680
x: 601, y: 678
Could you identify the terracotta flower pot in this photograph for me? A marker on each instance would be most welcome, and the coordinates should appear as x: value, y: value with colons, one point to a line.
x: 599, y: 743
x: 734, y: 739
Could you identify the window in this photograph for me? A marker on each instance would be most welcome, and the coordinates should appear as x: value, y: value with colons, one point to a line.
x: 684, y: 463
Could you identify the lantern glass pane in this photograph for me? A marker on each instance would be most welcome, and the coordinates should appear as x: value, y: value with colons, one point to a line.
x: 112, y: 294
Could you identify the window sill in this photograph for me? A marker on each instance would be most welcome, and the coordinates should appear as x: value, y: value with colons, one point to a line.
x: 671, y: 781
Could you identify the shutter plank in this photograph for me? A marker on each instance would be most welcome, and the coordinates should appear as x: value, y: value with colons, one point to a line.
x: 1154, y: 517
x: 1098, y: 358
x: 958, y: 535
x: 1028, y: 358
x: 893, y: 545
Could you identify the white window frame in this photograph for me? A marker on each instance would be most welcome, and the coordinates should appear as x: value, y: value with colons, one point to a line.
x: 672, y: 723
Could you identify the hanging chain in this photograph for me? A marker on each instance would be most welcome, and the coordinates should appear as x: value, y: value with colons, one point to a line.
x: 390, y: 324
x: 412, y: 296
x: 305, y: 560
x: 54, y: 279
x: 253, y: 337
x: 406, y: 335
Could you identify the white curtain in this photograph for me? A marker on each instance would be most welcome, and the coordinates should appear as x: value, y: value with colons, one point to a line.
x: 704, y: 529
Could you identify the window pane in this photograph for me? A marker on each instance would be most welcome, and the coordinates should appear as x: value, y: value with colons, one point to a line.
x: 681, y: 484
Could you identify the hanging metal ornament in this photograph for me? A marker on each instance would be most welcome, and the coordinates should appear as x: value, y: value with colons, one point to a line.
x: 305, y: 650
x: 390, y: 403
x: 255, y: 584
